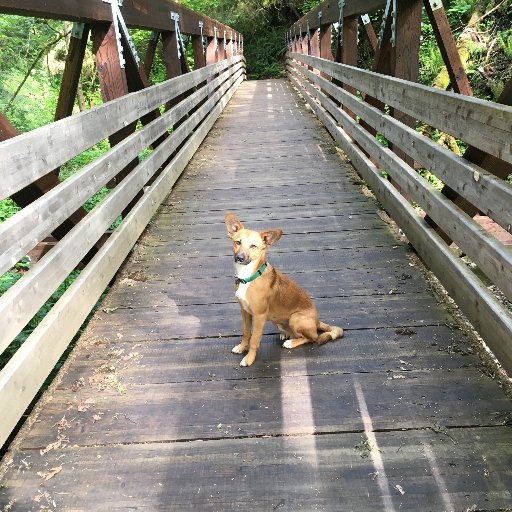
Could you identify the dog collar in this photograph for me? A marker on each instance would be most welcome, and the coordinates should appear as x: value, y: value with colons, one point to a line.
x: 257, y: 274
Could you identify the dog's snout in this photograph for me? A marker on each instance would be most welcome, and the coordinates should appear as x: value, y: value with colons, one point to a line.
x: 240, y: 257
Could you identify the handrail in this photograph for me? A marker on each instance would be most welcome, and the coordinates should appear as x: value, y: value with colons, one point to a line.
x: 28, y: 368
x: 485, y: 125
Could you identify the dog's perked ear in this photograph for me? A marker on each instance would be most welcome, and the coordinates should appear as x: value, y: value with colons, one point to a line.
x: 271, y: 237
x: 232, y: 223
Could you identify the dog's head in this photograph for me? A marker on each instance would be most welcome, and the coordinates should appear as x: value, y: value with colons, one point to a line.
x: 249, y: 245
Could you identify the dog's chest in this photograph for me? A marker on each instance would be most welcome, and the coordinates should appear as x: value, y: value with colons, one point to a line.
x: 241, y: 295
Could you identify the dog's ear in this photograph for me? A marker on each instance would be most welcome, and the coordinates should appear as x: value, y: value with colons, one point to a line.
x: 271, y: 237
x: 232, y: 223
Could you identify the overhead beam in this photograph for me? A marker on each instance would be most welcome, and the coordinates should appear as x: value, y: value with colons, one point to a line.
x: 331, y: 13
x: 143, y: 14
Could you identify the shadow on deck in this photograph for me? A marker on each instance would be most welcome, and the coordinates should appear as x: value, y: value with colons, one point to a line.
x: 152, y: 411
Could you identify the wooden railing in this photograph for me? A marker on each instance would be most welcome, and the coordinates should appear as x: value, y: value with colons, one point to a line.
x: 27, y: 157
x: 484, y: 125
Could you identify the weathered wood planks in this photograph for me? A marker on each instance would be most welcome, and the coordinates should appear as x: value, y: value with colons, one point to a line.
x: 155, y: 412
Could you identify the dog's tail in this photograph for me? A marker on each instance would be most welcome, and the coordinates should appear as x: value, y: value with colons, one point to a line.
x: 329, y: 333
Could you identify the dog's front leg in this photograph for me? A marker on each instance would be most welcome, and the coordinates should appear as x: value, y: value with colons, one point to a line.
x: 246, y: 332
x: 254, y: 343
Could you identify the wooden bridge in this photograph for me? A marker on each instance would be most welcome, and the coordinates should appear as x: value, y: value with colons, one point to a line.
x: 151, y: 410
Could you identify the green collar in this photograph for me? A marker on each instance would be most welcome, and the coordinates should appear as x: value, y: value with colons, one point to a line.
x: 257, y: 274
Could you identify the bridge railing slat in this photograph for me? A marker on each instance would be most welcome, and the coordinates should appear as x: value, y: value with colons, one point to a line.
x: 26, y: 371
x: 486, y: 125
x: 488, y: 192
x: 492, y: 257
x: 31, y: 225
x: 31, y: 155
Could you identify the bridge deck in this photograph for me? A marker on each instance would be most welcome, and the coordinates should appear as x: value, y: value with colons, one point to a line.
x: 152, y: 412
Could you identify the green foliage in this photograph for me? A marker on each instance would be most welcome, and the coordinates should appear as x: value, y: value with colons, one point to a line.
x: 265, y: 54
x: 505, y: 41
x: 7, y: 209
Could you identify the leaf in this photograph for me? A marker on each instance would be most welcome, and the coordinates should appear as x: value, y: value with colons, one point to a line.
x: 51, y: 446
x: 53, y: 472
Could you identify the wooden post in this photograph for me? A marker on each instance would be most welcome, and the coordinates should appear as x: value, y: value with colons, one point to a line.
x: 211, y: 53
x: 305, y: 45
x: 349, y: 49
x: 150, y: 53
x: 197, y: 50
x: 113, y: 83
x: 325, y: 42
x: 315, y: 44
x: 406, y: 61
x: 112, y: 77
x: 448, y: 48
x: 72, y: 70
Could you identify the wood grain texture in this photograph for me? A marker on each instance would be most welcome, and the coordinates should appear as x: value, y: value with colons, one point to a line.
x: 144, y: 14
x: 493, y: 257
x: 489, y: 316
x: 160, y: 416
x: 486, y: 124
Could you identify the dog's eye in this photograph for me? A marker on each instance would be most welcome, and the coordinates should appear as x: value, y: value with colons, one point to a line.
x: 253, y: 246
x: 237, y: 242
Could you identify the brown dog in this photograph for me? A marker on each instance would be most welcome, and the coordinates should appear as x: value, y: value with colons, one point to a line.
x: 264, y: 294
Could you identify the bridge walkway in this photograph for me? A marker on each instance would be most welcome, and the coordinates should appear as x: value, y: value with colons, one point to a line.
x: 153, y: 412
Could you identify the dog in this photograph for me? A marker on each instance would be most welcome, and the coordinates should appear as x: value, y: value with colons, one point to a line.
x: 264, y: 294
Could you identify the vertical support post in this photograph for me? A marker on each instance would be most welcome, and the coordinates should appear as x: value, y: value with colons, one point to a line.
x: 407, y: 47
x: 315, y: 44
x: 72, y: 70
x: 325, y: 42
x: 349, y: 49
x: 113, y: 84
x: 211, y: 51
x: 111, y: 74
x: 305, y: 45
x: 198, y: 52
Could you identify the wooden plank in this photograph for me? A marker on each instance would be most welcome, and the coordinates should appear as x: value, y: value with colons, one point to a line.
x: 486, y: 124
x: 361, y: 351
x: 174, y: 321
x: 71, y: 194
x: 20, y: 168
x: 22, y: 377
x: 489, y: 194
x: 467, y: 290
x: 144, y: 14
x: 184, y: 412
x: 493, y: 257
x: 276, y: 472
x: 48, y: 274
x: 319, y: 284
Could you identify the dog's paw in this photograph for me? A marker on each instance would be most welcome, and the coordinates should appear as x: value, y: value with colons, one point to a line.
x: 288, y: 344
x: 247, y: 360
x: 284, y: 336
x: 239, y: 349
